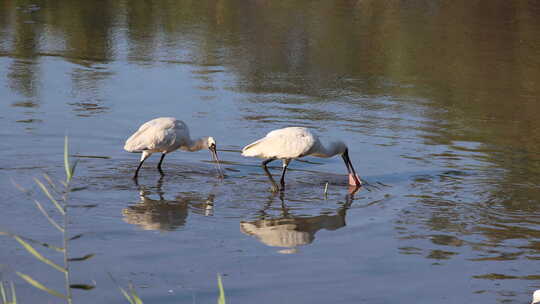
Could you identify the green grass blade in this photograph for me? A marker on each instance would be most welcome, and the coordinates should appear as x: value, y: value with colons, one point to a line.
x: 49, y: 218
x: 38, y: 285
x: 38, y: 255
x: 3, y: 292
x: 122, y: 290
x: 137, y: 299
x: 50, y: 182
x: 66, y: 160
x: 126, y: 295
x: 221, y: 299
x: 13, y: 293
x: 46, y: 191
x: 134, y: 295
x: 8, y: 297
x: 59, y: 249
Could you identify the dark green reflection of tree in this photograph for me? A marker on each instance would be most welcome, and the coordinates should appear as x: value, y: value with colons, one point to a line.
x: 23, y: 72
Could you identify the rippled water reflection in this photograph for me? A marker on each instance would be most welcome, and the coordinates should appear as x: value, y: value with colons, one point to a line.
x: 436, y: 100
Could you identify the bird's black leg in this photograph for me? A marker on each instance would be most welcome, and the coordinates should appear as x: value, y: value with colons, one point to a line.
x: 159, y: 164
x: 138, y: 168
x: 263, y: 164
x: 282, y: 180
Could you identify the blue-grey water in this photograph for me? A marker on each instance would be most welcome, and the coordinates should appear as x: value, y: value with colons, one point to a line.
x: 437, y: 101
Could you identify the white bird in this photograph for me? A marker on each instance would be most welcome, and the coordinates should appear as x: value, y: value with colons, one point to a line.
x: 536, y: 297
x: 165, y: 135
x: 292, y: 143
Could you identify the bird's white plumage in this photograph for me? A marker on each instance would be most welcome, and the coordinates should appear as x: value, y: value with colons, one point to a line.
x: 286, y: 143
x: 164, y: 134
x: 536, y: 297
x: 291, y: 143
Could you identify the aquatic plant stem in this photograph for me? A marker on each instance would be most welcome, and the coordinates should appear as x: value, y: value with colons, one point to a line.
x: 69, y: 175
x: 65, y: 241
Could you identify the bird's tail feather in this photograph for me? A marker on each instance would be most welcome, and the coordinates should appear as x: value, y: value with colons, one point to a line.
x: 251, y: 149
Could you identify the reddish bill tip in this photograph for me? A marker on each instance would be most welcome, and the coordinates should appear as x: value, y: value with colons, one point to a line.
x: 354, y: 181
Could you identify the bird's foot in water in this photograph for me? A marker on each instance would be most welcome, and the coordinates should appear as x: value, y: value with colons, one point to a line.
x: 275, y: 189
x: 353, y: 189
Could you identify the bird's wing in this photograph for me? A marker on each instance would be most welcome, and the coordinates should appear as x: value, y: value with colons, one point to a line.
x: 158, y: 134
x: 251, y: 149
x: 283, y: 143
x: 136, y: 141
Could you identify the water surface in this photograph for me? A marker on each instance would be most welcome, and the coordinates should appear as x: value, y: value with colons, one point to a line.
x: 436, y: 100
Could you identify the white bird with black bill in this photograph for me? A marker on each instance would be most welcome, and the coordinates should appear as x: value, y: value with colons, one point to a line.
x: 296, y: 142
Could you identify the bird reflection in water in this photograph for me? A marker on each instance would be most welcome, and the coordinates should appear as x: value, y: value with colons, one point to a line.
x: 292, y: 232
x: 162, y: 214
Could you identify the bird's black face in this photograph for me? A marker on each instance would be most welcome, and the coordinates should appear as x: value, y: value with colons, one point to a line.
x: 350, y: 167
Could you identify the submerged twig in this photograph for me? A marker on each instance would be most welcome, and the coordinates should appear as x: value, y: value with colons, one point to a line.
x: 90, y: 156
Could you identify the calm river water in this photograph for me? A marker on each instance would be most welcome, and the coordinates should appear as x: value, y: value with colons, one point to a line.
x: 437, y: 100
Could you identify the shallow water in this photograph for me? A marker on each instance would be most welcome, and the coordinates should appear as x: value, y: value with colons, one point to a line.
x: 437, y: 101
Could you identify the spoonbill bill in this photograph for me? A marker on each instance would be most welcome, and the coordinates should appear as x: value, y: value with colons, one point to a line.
x: 296, y: 142
x: 165, y: 135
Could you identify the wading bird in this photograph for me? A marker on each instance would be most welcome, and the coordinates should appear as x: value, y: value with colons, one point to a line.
x: 536, y: 297
x: 292, y: 143
x: 165, y: 135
